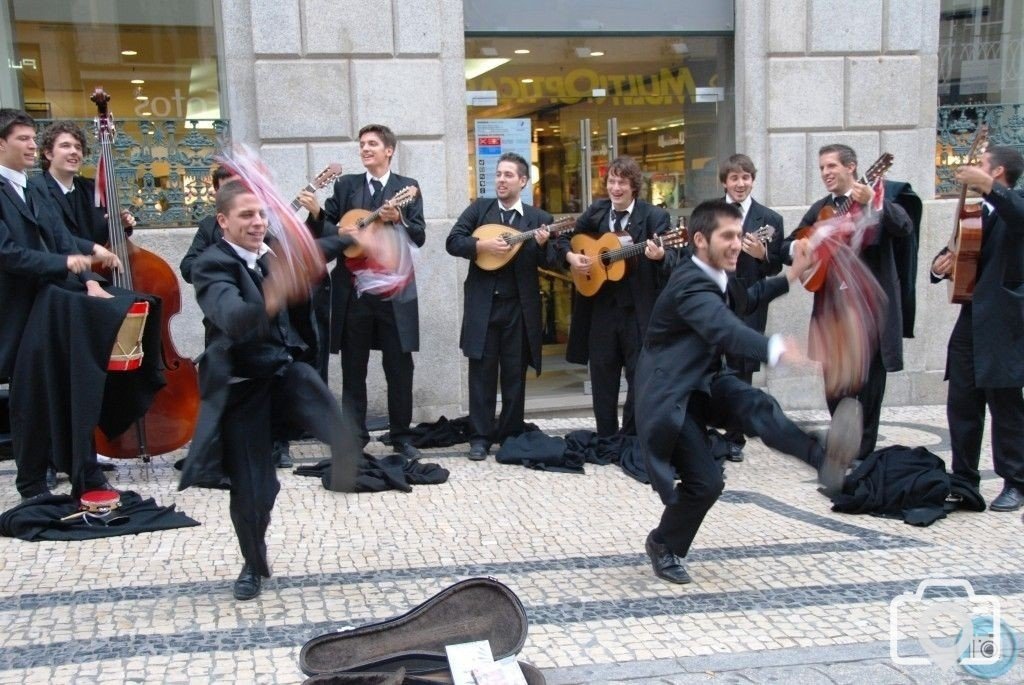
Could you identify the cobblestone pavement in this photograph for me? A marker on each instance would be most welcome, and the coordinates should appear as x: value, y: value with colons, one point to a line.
x: 784, y: 590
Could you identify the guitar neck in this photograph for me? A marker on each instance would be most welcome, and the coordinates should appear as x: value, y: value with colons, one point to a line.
x: 523, y: 236
x: 296, y: 204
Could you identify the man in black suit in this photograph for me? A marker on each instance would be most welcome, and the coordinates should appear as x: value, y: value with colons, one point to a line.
x: 758, y: 260
x: 683, y: 387
x: 36, y: 249
x: 361, y: 322
x: 251, y: 384
x: 501, y: 318
x: 608, y: 329
x: 64, y: 147
x: 209, y: 233
x: 985, y: 359
x: 838, y: 166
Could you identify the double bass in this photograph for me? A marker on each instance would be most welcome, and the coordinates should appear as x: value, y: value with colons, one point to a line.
x: 171, y: 419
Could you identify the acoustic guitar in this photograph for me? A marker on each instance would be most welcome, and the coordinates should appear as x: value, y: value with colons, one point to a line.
x: 965, y: 243
x: 609, y: 253
x: 330, y: 173
x: 492, y: 262
x: 367, y: 220
x: 814, y: 278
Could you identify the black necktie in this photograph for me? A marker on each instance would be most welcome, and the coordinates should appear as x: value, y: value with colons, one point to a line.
x: 619, y: 222
x: 508, y: 217
x: 840, y: 202
x: 378, y: 194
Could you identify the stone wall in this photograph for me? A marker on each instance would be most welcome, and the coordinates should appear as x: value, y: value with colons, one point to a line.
x: 812, y: 72
x: 304, y: 75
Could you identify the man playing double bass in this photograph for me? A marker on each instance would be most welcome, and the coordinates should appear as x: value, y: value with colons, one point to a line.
x: 985, y: 358
x: 838, y: 167
x: 36, y: 250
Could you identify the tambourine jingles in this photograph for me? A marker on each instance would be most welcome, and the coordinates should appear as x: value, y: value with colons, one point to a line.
x: 96, y: 502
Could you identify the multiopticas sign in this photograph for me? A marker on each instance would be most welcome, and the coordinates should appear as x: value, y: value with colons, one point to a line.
x: 666, y: 87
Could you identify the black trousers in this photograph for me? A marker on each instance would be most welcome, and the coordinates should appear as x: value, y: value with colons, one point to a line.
x: 370, y: 319
x: 505, y: 356
x: 700, y: 475
x: 965, y: 412
x: 256, y: 409
x: 614, y: 344
x: 870, y: 397
x: 734, y: 431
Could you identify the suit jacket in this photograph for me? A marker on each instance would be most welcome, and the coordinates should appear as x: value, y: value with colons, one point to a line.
x: 749, y: 270
x: 644, y: 278
x: 242, y: 341
x: 997, y: 308
x: 33, y: 252
x: 86, y: 222
x: 351, y: 192
x: 207, y: 234
x: 690, y: 329
x: 879, y: 256
x: 479, y: 286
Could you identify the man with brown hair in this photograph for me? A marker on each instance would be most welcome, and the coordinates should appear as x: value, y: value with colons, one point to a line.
x: 608, y: 329
x: 63, y: 151
x: 758, y: 259
x: 359, y: 323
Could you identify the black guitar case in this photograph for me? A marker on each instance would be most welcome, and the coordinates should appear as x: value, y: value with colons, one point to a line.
x: 413, y: 643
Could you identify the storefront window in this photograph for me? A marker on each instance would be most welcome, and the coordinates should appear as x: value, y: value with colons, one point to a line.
x: 981, y: 79
x: 158, y: 62
x: 665, y: 100
x: 572, y: 103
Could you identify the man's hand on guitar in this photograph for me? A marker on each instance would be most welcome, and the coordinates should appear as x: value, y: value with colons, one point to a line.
x: 753, y: 246
x: 348, y: 229
x: 943, y: 264
x: 654, y: 251
x: 309, y: 201
x: 105, y: 257
x: 94, y: 289
x: 390, y: 214
x: 578, y: 263
x: 541, y: 236
x: 862, y: 194
x: 495, y: 246
x: 975, y: 178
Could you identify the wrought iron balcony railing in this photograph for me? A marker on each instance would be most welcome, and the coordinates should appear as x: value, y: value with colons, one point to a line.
x: 955, y: 130
x: 162, y: 167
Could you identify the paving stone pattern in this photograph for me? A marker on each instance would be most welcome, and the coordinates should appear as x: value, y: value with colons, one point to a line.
x: 784, y: 590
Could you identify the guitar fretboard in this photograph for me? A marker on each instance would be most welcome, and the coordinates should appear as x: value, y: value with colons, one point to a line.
x: 296, y: 205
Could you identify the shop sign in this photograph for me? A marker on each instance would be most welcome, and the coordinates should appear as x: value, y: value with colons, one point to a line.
x: 668, y: 86
x: 495, y: 137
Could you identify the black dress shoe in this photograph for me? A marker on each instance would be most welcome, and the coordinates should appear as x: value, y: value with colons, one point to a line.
x: 842, y: 444
x: 407, y: 450
x: 1010, y: 499
x: 477, y: 451
x: 282, y: 455
x: 735, y: 452
x: 248, y: 584
x: 38, y: 495
x: 667, y: 565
